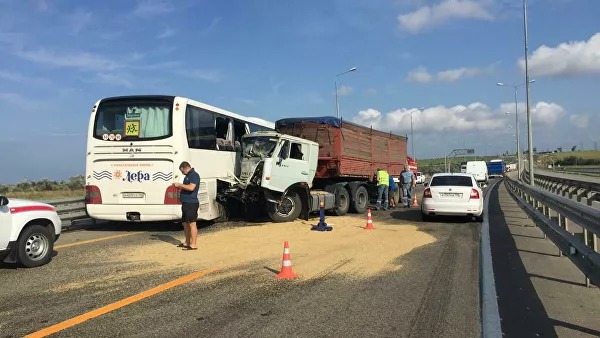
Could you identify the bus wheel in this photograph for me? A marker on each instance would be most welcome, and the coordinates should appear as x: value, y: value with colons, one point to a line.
x: 360, y: 200
x: 288, y: 210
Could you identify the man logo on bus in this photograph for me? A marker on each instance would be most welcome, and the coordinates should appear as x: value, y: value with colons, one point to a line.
x: 136, y: 176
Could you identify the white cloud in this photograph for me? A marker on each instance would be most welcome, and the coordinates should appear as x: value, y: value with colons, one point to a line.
x: 428, y: 17
x: 78, y: 20
x: 80, y: 60
x: 579, y: 121
x: 345, y: 90
x: 420, y: 75
x: 452, y: 75
x: 207, y: 75
x: 566, y: 59
x: 369, y: 117
x: 472, y: 117
x: 167, y: 32
x: 546, y: 114
x: 115, y: 79
x: 151, y: 8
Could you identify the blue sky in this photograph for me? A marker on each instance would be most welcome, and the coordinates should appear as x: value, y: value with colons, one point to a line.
x: 275, y: 59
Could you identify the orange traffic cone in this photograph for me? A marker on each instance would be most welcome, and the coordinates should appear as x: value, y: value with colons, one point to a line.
x: 286, y: 265
x: 369, y: 221
x: 415, y: 203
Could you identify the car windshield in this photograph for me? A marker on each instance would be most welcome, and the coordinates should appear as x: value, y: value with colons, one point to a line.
x: 258, y: 146
x: 460, y: 181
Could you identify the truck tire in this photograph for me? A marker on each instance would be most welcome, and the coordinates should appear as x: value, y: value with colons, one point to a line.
x: 288, y: 210
x: 360, y: 200
x: 395, y: 195
x: 342, y: 199
x: 35, y: 245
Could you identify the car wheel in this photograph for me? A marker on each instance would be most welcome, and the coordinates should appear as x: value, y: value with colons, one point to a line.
x: 479, y: 218
x: 35, y: 245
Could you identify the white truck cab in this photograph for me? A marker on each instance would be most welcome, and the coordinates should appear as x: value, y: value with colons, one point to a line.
x: 28, y: 231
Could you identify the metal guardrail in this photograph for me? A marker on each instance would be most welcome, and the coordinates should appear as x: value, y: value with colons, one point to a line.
x: 70, y: 209
x: 553, y: 214
x: 566, y: 186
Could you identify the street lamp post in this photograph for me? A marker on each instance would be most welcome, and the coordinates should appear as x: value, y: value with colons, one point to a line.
x: 516, y: 123
x: 529, y: 128
x: 337, y: 104
x: 412, y: 139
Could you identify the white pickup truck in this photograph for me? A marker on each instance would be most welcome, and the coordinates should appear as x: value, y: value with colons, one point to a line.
x: 28, y: 231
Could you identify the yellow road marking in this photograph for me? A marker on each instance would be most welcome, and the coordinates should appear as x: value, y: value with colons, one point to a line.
x: 117, y: 305
x: 96, y: 240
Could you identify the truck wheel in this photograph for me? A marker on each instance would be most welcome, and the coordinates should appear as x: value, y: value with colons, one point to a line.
x: 396, y: 195
x: 288, y: 210
x: 360, y: 200
x: 342, y: 199
x: 35, y: 245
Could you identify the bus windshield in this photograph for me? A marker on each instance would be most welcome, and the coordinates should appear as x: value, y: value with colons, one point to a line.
x: 258, y: 146
x: 133, y: 120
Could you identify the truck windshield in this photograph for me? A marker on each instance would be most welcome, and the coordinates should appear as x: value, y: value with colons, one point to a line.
x: 132, y: 120
x: 258, y: 146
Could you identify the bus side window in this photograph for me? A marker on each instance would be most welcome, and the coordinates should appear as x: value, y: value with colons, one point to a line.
x: 222, y: 133
x: 239, y: 130
x: 200, y: 128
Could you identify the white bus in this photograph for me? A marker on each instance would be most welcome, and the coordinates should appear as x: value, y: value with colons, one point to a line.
x: 136, y: 143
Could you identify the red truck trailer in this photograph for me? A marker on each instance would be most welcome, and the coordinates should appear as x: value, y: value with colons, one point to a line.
x: 349, y: 155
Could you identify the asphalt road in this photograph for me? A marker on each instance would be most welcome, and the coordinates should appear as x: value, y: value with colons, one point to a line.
x: 431, y: 291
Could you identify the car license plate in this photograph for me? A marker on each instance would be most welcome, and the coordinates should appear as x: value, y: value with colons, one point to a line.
x: 451, y: 194
x: 133, y: 195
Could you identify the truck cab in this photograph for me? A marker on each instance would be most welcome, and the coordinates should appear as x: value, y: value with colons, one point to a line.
x: 28, y: 231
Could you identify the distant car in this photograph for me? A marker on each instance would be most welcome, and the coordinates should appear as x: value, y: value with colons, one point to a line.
x: 28, y: 231
x: 452, y: 194
x: 420, y: 178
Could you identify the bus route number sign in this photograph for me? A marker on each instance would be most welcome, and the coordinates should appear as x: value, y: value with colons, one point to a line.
x: 132, y: 128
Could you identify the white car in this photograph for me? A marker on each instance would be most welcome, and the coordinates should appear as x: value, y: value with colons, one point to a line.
x: 452, y: 194
x: 28, y: 231
x: 420, y: 178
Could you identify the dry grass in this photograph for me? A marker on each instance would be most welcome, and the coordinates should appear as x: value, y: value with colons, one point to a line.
x: 47, y: 195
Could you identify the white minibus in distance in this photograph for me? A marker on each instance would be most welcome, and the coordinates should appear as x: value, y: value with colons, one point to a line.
x: 135, y: 145
x: 479, y: 170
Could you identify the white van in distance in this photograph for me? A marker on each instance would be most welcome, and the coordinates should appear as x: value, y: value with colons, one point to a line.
x: 479, y: 170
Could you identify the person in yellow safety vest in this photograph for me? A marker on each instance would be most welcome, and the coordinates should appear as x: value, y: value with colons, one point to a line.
x: 383, y: 186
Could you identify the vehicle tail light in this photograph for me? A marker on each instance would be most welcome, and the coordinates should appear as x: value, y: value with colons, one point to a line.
x: 172, y: 195
x: 427, y: 193
x: 474, y: 194
x: 92, y: 195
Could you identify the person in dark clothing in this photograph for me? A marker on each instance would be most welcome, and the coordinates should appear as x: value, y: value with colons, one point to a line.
x: 189, y: 204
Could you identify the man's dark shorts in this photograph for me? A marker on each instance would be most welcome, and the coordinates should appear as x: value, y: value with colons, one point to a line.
x: 189, y: 212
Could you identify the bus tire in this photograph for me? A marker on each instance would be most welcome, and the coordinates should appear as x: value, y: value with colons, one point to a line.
x: 360, y: 200
x: 288, y: 210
